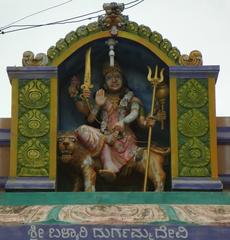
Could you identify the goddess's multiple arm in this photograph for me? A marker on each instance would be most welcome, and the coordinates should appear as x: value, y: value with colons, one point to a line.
x: 91, y: 110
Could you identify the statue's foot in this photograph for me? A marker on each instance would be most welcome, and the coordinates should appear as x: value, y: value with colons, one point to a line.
x: 108, y: 175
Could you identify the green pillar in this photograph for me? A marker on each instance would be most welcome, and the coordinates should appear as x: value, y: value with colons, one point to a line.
x: 193, y: 128
x: 33, y: 128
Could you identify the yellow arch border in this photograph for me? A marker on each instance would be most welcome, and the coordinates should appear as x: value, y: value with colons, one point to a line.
x: 105, y: 34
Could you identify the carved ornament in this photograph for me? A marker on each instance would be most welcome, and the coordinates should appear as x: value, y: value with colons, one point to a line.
x: 35, y: 94
x: 193, y: 59
x: 29, y: 59
x: 113, y: 19
x: 192, y: 94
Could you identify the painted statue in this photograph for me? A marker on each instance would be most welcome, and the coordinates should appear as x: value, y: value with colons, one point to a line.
x: 114, y: 144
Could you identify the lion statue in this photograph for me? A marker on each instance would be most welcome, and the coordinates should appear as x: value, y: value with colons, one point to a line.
x: 73, y: 152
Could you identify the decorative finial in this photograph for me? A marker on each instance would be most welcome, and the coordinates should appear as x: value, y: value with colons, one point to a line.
x: 28, y: 59
x: 193, y: 59
x: 113, y: 19
x: 111, y: 43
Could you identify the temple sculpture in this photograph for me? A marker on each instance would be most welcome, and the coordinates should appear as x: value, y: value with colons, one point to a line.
x: 141, y: 115
x: 113, y: 136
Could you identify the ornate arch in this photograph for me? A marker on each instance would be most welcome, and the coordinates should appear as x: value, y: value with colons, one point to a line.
x: 141, y: 34
x: 113, y: 24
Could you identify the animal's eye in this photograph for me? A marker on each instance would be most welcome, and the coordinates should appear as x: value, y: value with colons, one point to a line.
x: 60, y: 139
x: 73, y: 139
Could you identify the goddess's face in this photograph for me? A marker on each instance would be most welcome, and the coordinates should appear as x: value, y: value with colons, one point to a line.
x: 114, y: 81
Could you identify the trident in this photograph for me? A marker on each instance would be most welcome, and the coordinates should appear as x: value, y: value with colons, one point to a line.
x: 154, y: 81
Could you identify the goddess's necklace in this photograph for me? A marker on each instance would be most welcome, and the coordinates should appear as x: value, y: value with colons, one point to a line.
x: 114, y: 100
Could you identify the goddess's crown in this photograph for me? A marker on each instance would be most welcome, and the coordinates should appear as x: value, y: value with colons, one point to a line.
x: 108, y: 69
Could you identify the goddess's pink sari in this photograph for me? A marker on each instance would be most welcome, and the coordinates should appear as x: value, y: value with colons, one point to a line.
x: 113, y: 157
